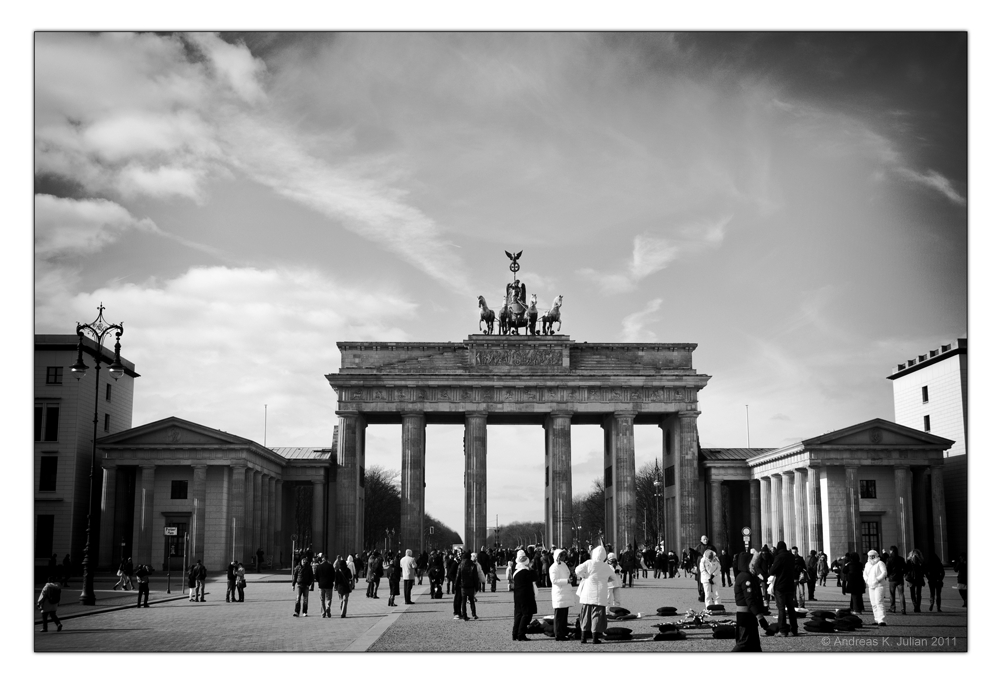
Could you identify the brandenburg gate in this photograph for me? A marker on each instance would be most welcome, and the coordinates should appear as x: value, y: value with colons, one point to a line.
x: 547, y: 380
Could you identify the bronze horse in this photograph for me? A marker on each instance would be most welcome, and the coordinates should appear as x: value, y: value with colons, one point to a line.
x: 485, y: 315
x: 552, y: 316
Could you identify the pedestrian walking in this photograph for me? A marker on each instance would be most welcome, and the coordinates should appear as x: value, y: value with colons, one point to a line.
x: 395, y: 574
x: 302, y: 579
x: 725, y: 567
x: 749, y: 605
x: 324, y: 576
x: 231, y: 582
x: 915, y: 577
x: 408, y: 565
x: 822, y: 567
x: 812, y: 567
x: 48, y: 603
x: 470, y: 576
x: 594, y: 575
x: 142, y: 574
x: 563, y: 595
x: 201, y: 575
x: 783, y: 571
x: 934, y: 573
x: 125, y: 570
x: 525, y: 591
x: 192, y: 580
x: 343, y: 583
x: 241, y: 579
x: 875, y: 576
x: 895, y: 567
x: 374, y: 575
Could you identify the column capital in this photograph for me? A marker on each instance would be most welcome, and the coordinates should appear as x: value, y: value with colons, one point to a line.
x: 690, y: 414
x: 200, y: 467
x: 562, y: 413
x: 625, y: 414
x: 776, y: 475
x: 412, y: 414
x: 147, y: 467
x: 112, y: 465
x: 347, y: 413
x: 476, y: 413
x: 901, y: 467
x: 238, y: 467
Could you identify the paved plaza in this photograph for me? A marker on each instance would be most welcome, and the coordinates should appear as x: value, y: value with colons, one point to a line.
x: 264, y: 623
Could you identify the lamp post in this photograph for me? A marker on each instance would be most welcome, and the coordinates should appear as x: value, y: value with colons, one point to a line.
x: 98, y: 330
x: 657, y: 494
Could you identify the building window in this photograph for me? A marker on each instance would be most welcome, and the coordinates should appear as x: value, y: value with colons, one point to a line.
x: 546, y: 477
x: 179, y: 489
x: 46, y: 423
x: 607, y: 477
x: 927, y: 423
x: 44, y: 528
x: 669, y: 476
x: 53, y: 374
x: 47, y: 473
x: 924, y: 395
x: 871, y: 536
x: 107, y: 392
x: 107, y: 422
x: 868, y: 488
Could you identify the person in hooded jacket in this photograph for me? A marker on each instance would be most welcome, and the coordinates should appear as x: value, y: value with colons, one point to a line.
x: 749, y: 605
x: 875, y: 576
x: 853, y: 581
x: 709, y: 570
x: 563, y: 595
x: 594, y: 575
x: 783, y: 571
x: 525, y: 590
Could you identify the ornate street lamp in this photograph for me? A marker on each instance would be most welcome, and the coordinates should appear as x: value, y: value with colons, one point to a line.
x: 98, y: 330
x: 657, y: 494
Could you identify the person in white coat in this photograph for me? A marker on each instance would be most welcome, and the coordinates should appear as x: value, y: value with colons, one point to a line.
x: 593, y: 593
x: 408, y: 565
x: 876, y: 576
x: 710, y: 569
x: 563, y: 595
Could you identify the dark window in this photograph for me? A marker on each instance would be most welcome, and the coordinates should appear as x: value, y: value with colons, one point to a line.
x: 607, y: 477
x: 871, y: 536
x: 927, y: 423
x: 546, y: 477
x: 38, y: 422
x: 107, y: 393
x: 53, y: 374
x: 668, y: 441
x: 44, y: 528
x: 669, y: 476
x: 923, y: 394
x: 47, y: 473
x: 179, y: 489
x: 51, y: 424
x: 868, y: 488
x: 107, y: 421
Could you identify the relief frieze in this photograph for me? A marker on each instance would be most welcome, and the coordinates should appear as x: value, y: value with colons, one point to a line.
x: 502, y: 394
x: 517, y: 357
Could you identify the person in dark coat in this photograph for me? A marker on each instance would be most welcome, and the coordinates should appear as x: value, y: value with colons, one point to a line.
x: 784, y: 573
x: 324, y: 575
x: 853, y: 582
x: 764, y: 563
x: 812, y: 569
x: 698, y: 551
x: 525, y: 590
x: 395, y: 575
x: 469, y: 576
x: 231, y: 582
x: 142, y: 577
x: 915, y: 576
x: 302, y: 579
x: 343, y: 583
x: 749, y: 606
x: 934, y: 572
x: 895, y: 567
x: 726, y: 566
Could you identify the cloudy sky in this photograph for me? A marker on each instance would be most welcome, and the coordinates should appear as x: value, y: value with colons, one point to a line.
x: 795, y: 204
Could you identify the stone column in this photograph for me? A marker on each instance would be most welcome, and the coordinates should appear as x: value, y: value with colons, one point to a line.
x: 317, y: 516
x: 940, y: 531
x: 269, y: 539
x: 904, y: 509
x: 106, y: 555
x: 279, y: 523
x: 237, y: 510
x: 557, y: 441
x: 350, y: 462
x: 248, y: 514
x: 853, y: 511
x: 766, y: 517
x: 756, y: 533
x: 920, y: 477
x: 788, y: 507
x: 777, y: 511
x: 197, y: 529
x: 715, y: 491
x: 257, y: 510
x: 802, y: 514
x: 144, y: 521
x: 687, y: 480
x: 475, y: 480
x: 815, y: 506
x: 411, y: 532
x: 619, y: 442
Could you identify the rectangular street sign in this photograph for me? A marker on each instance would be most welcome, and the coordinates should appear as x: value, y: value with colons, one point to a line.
x: 169, y: 531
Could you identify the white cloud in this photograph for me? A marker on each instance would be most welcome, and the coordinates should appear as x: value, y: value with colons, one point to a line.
x: 234, y: 63
x: 634, y: 324
x: 652, y: 253
x: 935, y: 181
x: 73, y: 227
x: 215, y: 344
x: 165, y: 181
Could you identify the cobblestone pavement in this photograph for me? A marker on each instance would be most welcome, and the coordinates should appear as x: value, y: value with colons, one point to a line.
x: 265, y: 623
